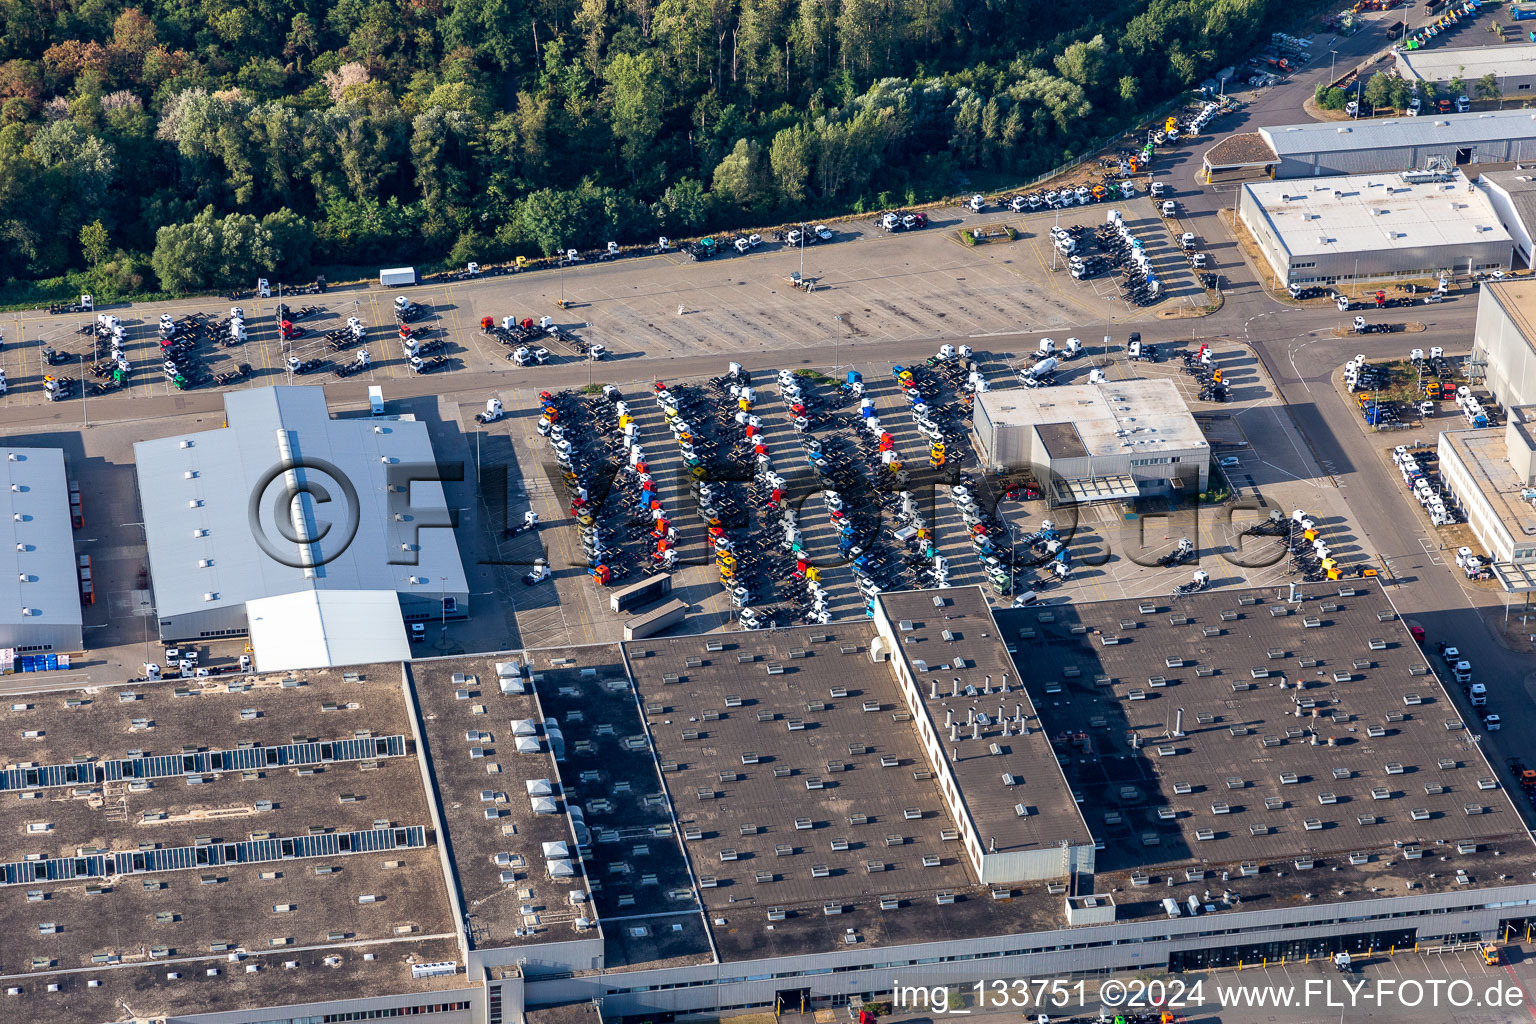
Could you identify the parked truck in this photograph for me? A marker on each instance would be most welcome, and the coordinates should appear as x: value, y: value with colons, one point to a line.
x: 397, y: 276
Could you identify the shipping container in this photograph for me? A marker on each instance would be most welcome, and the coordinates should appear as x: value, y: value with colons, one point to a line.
x: 656, y: 620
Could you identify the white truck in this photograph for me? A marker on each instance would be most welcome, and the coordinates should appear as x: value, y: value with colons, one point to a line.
x: 394, y: 277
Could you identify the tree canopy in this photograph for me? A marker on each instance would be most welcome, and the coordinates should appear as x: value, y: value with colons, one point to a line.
x: 214, y: 141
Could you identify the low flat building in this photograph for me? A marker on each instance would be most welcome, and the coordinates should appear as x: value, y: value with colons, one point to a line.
x: 1492, y: 474
x: 1435, y: 68
x: 38, y: 567
x: 1375, y: 227
x: 1379, y: 145
x: 1115, y: 441
x: 287, y: 500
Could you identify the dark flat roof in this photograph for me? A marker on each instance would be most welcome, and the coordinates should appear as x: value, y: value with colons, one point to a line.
x: 486, y: 805
x: 144, y: 992
x: 1062, y: 441
x: 176, y: 910
x: 1307, y: 732
x: 921, y: 619
x: 639, y: 876
x: 774, y: 799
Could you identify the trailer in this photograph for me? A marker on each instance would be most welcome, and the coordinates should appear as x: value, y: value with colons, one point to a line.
x: 375, y: 400
x: 397, y: 276
x: 637, y: 595
x: 656, y: 620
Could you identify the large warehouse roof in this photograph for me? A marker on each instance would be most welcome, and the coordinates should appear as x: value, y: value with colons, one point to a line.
x: 1374, y: 213
x: 1469, y: 63
x: 1400, y: 132
x: 37, y: 556
x: 197, y: 495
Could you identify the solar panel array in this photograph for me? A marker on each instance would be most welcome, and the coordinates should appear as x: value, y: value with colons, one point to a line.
x: 184, y: 858
x: 287, y: 755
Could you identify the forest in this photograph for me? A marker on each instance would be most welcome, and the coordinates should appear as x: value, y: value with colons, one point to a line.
x: 188, y: 145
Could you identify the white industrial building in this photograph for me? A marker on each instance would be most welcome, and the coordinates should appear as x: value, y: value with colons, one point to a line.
x: 1492, y: 472
x: 1513, y: 195
x: 1321, y: 148
x: 1504, y: 341
x: 41, y: 612
x: 1437, y: 67
x: 286, y: 522
x: 1095, y: 442
x: 310, y: 628
x: 1375, y: 227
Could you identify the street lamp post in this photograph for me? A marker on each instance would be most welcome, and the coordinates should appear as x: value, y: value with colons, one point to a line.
x: 85, y: 413
x: 1332, y: 63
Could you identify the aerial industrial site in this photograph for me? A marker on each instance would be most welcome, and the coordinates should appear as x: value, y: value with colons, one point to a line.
x: 1114, y: 575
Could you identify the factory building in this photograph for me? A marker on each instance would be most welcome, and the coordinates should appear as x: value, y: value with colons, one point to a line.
x: 41, y: 614
x: 1434, y: 69
x: 1375, y: 227
x: 1492, y: 472
x: 285, y: 500
x: 1513, y: 195
x: 1504, y: 341
x: 1323, y: 148
x: 1115, y: 441
x: 794, y: 818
